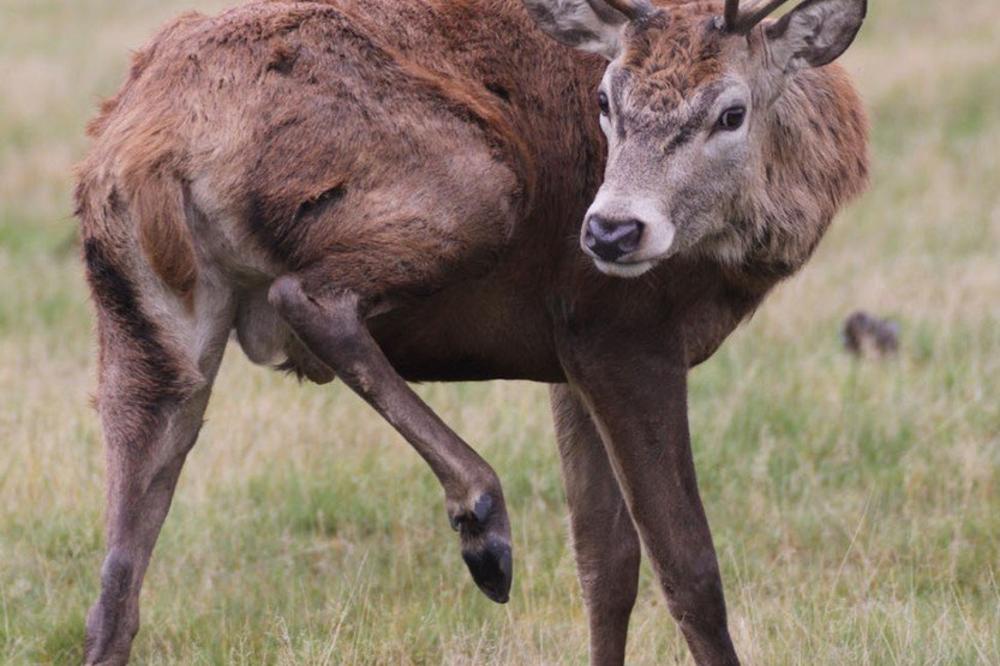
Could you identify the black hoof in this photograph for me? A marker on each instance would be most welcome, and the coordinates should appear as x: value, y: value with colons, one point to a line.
x: 491, y: 568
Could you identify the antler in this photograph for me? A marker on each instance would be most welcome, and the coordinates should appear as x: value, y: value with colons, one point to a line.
x: 744, y: 24
x: 632, y: 9
x: 732, y: 15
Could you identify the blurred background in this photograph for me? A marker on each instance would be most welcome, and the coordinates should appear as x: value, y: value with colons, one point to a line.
x: 855, y: 504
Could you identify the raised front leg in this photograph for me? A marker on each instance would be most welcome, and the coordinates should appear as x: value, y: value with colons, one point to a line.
x: 330, y: 323
x: 634, y: 385
x: 604, y: 538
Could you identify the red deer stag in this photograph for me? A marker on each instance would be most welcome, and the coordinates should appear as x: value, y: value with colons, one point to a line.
x: 393, y: 190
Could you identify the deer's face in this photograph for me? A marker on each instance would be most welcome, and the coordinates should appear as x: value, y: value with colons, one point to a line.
x: 678, y: 126
x: 681, y: 104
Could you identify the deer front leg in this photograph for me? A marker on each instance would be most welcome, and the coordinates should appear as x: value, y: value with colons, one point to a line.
x: 635, y: 389
x: 331, y: 324
x: 604, y: 538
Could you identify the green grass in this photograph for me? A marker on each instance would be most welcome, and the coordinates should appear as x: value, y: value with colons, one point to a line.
x: 856, y: 506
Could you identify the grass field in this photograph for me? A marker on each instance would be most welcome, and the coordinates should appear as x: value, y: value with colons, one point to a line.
x: 856, y: 506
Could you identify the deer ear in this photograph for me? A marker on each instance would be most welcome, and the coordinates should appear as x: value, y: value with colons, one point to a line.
x: 588, y: 25
x: 815, y: 33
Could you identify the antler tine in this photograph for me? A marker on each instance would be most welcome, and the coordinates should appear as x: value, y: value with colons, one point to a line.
x: 632, y: 9
x: 732, y: 15
x: 757, y: 14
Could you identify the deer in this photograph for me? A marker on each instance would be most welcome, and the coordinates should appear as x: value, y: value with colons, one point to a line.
x: 590, y: 194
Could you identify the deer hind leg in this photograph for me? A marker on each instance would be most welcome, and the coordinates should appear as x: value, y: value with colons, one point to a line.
x: 604, y: 538
x: 429, y: 228
x: 151, y: 400
x: 373, y: 240
x: 331, y: 324
x: 402, y: 255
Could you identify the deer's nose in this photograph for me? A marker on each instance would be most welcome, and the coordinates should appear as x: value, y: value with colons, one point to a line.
x: 611, y: 240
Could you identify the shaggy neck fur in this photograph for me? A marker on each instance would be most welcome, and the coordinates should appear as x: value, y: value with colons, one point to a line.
x: 810, y: 159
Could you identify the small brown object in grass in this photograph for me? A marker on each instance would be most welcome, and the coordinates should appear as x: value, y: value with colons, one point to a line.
x: 867, y: 336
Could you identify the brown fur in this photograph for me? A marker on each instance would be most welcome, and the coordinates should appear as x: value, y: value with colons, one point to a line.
x: 163, y: 236
x: 389, y: 190
x: 672, y: 55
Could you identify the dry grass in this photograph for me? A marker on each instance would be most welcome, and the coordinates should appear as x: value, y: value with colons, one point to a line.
x: 856, y: 507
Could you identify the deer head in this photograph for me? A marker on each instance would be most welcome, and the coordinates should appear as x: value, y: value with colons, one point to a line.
x: 686, y: 106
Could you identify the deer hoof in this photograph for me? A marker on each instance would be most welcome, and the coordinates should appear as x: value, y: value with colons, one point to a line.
x: 491, y: 568
x: 485, y: 535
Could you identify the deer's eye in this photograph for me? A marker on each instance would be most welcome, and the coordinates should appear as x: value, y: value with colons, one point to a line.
x: 602, y: 103
x: 732, y: 118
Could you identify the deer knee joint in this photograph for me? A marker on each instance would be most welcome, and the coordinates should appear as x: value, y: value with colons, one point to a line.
x: 333, y: 317
x: 697, y: 601
x: 116, y: 576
